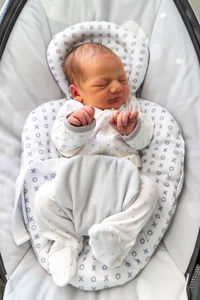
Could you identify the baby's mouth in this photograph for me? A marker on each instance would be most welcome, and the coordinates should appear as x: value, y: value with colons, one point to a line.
x: 115, y: 99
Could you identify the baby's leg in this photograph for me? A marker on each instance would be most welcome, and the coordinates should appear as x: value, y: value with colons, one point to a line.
x: 56, y: 225
x: 113, y: 238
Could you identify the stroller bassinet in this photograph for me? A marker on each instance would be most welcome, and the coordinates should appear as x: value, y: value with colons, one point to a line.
x: 172, y: 80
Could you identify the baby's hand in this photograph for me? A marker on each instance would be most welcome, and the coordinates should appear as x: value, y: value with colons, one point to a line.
x: 83, y: 116
x: 124, y: 122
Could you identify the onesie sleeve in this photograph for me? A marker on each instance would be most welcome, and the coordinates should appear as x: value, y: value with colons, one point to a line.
x: 141, y: 135
x: 67, y: 138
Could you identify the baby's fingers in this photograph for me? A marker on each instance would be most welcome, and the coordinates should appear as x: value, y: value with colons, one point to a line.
x: 120, y: 121
x: 125, y: 118
x: 115, y: 116
x: 84, y: 117
x: 90, y: 110
x: 74, y: 121
x: 134, y: 115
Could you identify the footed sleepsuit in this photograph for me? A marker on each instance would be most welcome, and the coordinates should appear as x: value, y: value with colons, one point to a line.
x: 111, y: 237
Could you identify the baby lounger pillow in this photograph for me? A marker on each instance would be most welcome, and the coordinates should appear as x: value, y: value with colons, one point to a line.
x: 162, y: 160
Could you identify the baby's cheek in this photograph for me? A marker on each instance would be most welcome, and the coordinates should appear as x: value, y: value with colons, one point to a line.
x: 127, y: 90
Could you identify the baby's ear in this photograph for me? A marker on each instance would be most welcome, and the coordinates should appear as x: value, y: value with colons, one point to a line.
x: 75, y: 93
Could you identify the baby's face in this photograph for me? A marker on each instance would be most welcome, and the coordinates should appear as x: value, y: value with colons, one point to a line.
x: 105, y: 86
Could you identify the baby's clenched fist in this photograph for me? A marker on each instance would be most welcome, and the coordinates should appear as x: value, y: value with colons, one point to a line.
x: 124, y: 122
x: 82, y: 117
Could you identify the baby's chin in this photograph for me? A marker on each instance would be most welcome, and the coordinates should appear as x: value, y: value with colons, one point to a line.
x: 116, y: 107
x: 114, y: 104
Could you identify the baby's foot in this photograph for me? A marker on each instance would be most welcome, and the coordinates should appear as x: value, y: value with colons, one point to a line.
x: 62, y: 266
x: 106, y: 245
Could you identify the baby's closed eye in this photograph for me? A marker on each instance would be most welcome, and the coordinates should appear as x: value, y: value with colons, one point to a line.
x: 100, y: 84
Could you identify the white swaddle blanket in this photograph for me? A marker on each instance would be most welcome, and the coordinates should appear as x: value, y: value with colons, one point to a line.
x: 90, y: 188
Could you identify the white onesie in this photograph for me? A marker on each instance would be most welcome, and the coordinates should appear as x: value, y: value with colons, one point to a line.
x: 112, y: 239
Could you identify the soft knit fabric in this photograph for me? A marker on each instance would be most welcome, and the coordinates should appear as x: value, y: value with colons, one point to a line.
x: 100, y: 137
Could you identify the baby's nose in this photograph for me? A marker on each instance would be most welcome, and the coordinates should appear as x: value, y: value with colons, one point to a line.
x: 115, y: 87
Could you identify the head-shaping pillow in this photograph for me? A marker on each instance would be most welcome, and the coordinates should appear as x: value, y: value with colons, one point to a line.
x: 132, y: 50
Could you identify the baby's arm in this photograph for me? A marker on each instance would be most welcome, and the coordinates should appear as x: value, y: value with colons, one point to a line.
x: 68, y: 132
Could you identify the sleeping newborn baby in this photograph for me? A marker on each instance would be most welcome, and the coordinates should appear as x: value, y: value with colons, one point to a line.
x: 102, y: 119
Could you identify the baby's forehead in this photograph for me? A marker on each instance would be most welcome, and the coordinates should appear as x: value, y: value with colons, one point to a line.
x: 93, y: 50
x: 103, y: 68
x: 103, y: 63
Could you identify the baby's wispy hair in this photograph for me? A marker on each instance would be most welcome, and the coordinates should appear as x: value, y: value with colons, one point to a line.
x: 73, y: 62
